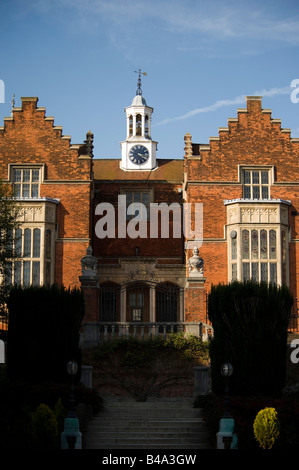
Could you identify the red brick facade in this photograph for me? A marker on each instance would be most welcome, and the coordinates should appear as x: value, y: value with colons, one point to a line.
x: 213, y: 174
x: 29, y: 139
x: 246, y: 179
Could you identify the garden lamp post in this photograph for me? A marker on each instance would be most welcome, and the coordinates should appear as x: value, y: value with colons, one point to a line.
x: 71, y: 437
x: 226, y: 437
x: 226, y: 372
x: 72, y: 369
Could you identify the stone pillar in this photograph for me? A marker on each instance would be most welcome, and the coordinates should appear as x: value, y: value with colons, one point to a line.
x: 90, y: 289
x: 195, y: 305
x: 123, y: 304
x: 152, y: 304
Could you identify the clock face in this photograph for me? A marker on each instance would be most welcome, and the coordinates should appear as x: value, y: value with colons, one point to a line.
x: 138, y: 154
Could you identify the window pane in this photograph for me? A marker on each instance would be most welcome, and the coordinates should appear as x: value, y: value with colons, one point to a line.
x: 137, y: 314
x: 132, y: 299
x: 245, y: 244
x: 48, y: 243
x: 246, y: 273
x: 234, y: 248
x: 26, y: 176
x: 8, y: 274
x: 26, y: 190
x: 272, y: 254
x: 255, y: 192
x: 18, y: 242
x: 27, y: 243
x: 35, y: 175
x: 129, y: 198
x: 255, y: 272
x: 247, y: 177
x: 17, y: 176
x: 17, y: 272
x: 35, y: 273
x: 234, y: 272
x: 145, y: 198
x: 247, y: 194
x: 140, y: 299
x: 48, y: 274
x: 254, y: 244
x: 283, y: 245
x: 34, y: 190
x: 255, y: 177
x: 26, y: 273
x: 264, y: 272
x: 273, y: 273
x: 265, y: 192
x: 264, y: 177
x: 264, y: 250
x: 17, y: 190
x: 36, y: 243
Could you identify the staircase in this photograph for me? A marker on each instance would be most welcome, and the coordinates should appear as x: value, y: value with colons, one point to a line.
x: 156, y: 424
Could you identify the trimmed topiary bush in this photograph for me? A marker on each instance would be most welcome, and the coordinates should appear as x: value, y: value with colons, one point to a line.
x: 266, y: 427
x: 45, y: 427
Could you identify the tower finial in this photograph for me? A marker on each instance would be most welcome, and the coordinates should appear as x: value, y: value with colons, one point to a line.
x: 139, y: 91
x: 13, y: 103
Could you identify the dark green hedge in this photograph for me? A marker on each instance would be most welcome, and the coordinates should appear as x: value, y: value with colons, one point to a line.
x: 250, y: 322
x: 43, y: 332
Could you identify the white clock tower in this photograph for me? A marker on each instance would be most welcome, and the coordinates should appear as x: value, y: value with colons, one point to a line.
x: 138, y: 150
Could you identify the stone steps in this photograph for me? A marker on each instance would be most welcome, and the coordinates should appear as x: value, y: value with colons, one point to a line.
x: 165, y: 424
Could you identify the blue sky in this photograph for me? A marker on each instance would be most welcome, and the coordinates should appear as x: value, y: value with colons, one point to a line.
x: 201, y: 59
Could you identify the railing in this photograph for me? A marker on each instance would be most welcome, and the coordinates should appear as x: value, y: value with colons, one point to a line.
x: 293, y: 323
x: 96, y: 332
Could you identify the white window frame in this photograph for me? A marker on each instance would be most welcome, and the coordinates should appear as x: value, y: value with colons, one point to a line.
x: 45, y: 260
x: 256, y: 168
x: 21, y: 167
x: 235, y: 266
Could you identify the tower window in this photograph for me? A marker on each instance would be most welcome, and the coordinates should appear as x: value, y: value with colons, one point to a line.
x: 256, y: 184
x: 131, y: 125
x: 146, y: 127
x: 138, y: 124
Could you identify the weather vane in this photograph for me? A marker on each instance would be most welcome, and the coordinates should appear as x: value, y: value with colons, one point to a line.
x: 13, y: 103
x: 139, y: 91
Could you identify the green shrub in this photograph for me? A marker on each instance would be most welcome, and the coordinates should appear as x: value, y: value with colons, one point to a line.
x: 43, y: 333
x: 266, y: 427
x: 250, y: 324
x: 45, y: 427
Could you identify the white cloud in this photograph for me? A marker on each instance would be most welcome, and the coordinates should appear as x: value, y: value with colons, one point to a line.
x: 217, y: 19
x: 222, y: 103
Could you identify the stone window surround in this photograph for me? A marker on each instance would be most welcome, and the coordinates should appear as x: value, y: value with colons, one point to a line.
x: 253, y: 214
x: 41, y: 213
x: 26, y: 166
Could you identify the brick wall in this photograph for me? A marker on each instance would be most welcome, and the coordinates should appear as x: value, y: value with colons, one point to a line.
x: 212, y: 176
x: 29, y: 137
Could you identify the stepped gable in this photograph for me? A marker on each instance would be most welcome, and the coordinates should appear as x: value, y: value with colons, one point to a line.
x: 254, y: 137
x: 29, y: 136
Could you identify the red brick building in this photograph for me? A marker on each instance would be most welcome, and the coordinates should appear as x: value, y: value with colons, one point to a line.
x: 52, y: 181
x: 247, y: 180
x: 117, y: 227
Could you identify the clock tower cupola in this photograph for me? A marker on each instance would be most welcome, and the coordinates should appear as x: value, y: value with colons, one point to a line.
x: 138, y: 150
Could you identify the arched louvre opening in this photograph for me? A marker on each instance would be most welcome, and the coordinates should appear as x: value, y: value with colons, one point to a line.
x: 167, y: 302
x: 109, y: 302
x: 138, y: 124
